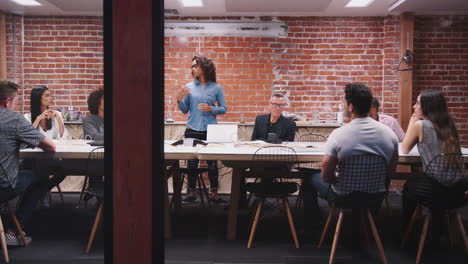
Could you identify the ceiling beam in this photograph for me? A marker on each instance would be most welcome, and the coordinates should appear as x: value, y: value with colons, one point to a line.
x: 406, y: 77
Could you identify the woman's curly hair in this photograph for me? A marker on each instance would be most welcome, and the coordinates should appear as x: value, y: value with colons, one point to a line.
x: 208, y: 67
x: 94, y: 100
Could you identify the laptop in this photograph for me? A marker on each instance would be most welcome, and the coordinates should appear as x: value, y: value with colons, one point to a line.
x: 221, y: 133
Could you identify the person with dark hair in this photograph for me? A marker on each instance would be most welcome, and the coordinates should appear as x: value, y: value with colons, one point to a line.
x: 93, y: 125
x: 368, y: 137
x: 433, y: 130
x: 49, y: 122
x: 387, y: 120
x: 274, y: 122
x: 16, y: 130
x: 203, y: 99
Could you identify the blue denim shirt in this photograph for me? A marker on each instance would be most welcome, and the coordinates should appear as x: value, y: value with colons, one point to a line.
x: 210, y: 94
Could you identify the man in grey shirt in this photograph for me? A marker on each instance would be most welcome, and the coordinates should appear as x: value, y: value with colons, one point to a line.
x: 363, y: 135
x: 16, y: 130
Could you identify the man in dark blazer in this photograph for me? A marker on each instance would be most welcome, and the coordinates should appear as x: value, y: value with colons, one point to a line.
x: 274, y: 122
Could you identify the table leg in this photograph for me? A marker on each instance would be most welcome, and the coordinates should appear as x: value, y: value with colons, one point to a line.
x: 176, y: 186
x: 167, y: 213
x: 233, y: 204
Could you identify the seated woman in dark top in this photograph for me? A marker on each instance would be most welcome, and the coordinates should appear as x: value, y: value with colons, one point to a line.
x: 93, y: 125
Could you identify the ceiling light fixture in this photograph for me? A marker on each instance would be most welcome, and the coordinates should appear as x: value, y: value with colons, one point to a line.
x: 191, y: 3
x: 27, y: 2
x: 359, y: 3
x: 395, y: 4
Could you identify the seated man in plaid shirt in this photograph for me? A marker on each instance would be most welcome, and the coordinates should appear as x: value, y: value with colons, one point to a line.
x: 363, y: 135
x: 14, y: 131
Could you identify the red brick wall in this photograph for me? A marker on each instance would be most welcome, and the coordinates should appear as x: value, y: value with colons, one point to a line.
x: 63, y: 53
x: 441, y: 50
x: 313, y: 63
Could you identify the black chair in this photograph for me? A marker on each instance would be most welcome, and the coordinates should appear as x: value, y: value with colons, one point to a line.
x: 361, y: 175
x: 304, y: 168
x: 271, y: 166
x: 4, y: 198
x: 197, y: 167
x: 185, y: 168
x: 311, y: 137
x: 95, y: 186
x: 447, y: 172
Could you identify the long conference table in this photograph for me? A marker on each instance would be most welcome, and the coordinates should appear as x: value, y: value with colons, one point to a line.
x: 239, y: 155
x: 65, y: 149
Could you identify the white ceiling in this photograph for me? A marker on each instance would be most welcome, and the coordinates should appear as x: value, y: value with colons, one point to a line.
x: 250, y: 8
x: 55, y: 8
x: 316, y: 8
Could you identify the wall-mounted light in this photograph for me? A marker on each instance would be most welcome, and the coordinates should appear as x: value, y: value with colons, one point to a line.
x: 408, y: 58
x: 27, y: 2
x: 191, y: 3
x: 253, y: 29
x: 359, y: 3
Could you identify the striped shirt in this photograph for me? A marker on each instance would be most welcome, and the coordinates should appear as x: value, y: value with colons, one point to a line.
x: 392, y: 123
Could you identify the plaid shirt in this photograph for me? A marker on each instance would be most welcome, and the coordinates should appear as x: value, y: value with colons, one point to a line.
x: 392, y: 123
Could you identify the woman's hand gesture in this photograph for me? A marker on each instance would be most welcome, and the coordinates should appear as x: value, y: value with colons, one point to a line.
x: 182, y: 93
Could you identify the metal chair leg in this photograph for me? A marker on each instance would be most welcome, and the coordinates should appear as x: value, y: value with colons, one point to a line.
x: 205, y: 191
x: 60, y: 193
x: 176, y: 194
x: 388, y: 205
x: 82, y: 190
x: 299, y: 198
x: 250, y: 194
x: 200, y: 191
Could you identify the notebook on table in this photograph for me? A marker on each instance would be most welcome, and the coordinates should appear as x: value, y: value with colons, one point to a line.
x: 221, y: 133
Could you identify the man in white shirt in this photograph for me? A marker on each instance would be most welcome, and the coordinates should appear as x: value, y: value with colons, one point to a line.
x: 368, y: 137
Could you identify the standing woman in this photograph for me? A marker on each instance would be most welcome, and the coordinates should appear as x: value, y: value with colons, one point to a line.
x: 204, y: 99
x: 432, y: 129
x: 49, y: 122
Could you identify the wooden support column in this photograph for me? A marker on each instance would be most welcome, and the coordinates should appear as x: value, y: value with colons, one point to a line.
x: 406, y: 77
x: 129, y: 81
x: 3, y: 60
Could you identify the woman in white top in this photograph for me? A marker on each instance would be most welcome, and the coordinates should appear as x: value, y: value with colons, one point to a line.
x: 49, y: 122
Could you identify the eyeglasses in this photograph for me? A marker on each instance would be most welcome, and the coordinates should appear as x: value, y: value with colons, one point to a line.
x: 277, y: 105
